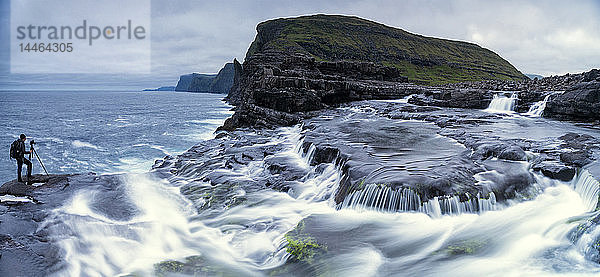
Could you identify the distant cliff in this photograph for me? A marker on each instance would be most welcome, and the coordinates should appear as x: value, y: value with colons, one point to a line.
x: 219, y: 83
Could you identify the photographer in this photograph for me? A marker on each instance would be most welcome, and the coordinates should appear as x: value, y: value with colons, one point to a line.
x: 18, y: 153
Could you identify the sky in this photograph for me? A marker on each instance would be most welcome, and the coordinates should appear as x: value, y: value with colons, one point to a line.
x: 539, y: 37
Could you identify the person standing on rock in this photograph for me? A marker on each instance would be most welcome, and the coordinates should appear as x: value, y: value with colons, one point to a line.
x: 18, y: 153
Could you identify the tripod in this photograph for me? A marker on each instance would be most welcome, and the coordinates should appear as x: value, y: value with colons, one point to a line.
x: 32, y: 151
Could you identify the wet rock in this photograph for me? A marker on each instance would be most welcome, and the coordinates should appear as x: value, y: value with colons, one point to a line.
x: 513, y: 153
x: 580, y: 101
x: 454, y: 98
x: 488, y: 150
x: 506, y: 179
x: 26, y: 245
x: 325, y: 154
x: 257, y: 116
x: 38, y: 180
x: 578, y: 141
x: 503, y: 151
x: 192, y: 266
x: 555, y: 171
x: 302, y: 246
x: 577, y: 158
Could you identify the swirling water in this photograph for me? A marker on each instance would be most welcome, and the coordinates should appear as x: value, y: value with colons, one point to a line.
x: 520, y: 238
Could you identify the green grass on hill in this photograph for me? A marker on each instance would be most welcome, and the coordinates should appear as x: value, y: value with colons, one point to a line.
x: 423, y: 59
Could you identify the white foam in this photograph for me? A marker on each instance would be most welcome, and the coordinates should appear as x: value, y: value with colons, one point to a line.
x: 503, y: 104
x: 82, y: 144
x: 99, y: 246
x: 13, y: 198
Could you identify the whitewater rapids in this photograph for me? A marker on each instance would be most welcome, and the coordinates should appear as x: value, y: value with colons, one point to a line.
x: 518, y: 238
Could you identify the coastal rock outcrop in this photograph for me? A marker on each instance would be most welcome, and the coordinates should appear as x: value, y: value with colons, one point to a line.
x: 580, y: 102
x: 275, y: 88
x: 219, y: 83
x: 28, y: 244
x: 299, y: 65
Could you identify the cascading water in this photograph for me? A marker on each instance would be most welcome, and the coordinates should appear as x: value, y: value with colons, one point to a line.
x: 95, y: 245
x: 502, y: 104
x: 588, y: 187
x: 386, y: 199
x: 586, y: 235
x: 249, y: 239
x: 537, y: 109
x: 166, y: 226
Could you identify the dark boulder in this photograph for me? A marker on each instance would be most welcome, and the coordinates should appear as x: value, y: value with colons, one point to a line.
x: 577, y: 158
x: 325, y: 154
x: 580, y: 102
x: 513, y: 153
x: 555, y: 171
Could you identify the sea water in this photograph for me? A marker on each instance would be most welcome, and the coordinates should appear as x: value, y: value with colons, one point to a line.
x: 105, y: 131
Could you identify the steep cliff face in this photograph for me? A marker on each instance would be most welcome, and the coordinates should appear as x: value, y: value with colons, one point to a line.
x: 201, y: 83
x: 234, y: 96
x: 299, y: 65
x: 422, y: 59
x: 219, y: 83
x: 224, y: 80
x: 186, y: 80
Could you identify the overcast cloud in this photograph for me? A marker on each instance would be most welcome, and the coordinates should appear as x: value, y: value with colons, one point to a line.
x: 543, y: 37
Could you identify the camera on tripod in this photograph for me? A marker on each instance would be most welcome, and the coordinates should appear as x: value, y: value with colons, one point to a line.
x: 33, y: 151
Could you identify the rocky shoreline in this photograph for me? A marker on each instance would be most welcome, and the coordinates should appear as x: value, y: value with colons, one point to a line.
x: 277, y: 89
x: 298, y: 117
x: 26, y: 245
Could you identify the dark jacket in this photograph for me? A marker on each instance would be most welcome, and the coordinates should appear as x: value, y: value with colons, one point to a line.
x: 21, y: 150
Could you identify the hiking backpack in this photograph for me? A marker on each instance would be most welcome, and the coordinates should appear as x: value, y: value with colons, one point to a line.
x: 13, y: 149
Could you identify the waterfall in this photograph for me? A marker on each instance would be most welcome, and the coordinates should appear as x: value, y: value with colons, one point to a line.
x: 588, y: 188
x: 501, y: 103
x: 385, y: 199
x: 310, y: 153
x: 586, y: 234
x: 537, y: 108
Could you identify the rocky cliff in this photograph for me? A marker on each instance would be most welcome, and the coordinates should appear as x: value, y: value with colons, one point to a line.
x: 219, y: 83
x: 580, y: 101
x: 275, y: 88
x: 299, y: 65
x: 224, y: 80
x: 186, y: 80
x: 422, y: 59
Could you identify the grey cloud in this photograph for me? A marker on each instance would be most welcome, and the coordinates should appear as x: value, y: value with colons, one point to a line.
x: 545, y: 37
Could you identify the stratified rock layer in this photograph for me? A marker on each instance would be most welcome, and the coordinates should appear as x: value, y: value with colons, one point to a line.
x: 278, y: 89
x: 581, y: 101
